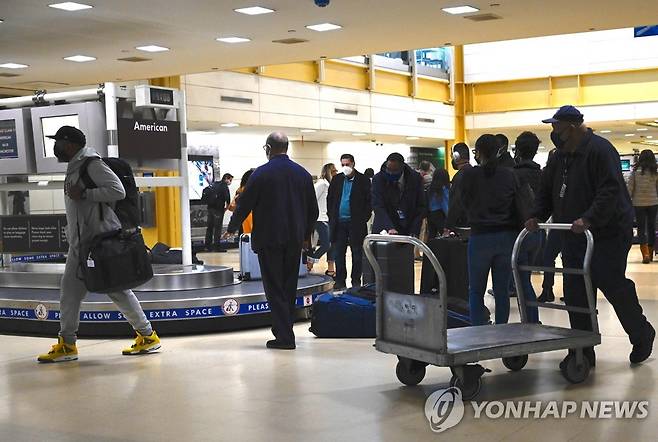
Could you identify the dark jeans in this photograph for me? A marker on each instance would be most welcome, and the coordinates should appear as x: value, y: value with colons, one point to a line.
x: 343, y: 239
x: 552, y: 248
x: 489, y: 251
x: 214, y: 227
x: 279, y: 268
x: 324, y: 244
x: 436, y: 222
x: 646, y: 224
x: 608, y: 275
x: 527, y: 253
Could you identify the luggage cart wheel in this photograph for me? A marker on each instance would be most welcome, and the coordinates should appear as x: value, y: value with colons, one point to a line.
x: 410, y: 372
x: 470, y: 390
x: 515, y: 363
x: 573, y: 371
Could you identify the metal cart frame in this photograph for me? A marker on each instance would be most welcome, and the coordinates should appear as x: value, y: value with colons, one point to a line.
x: 414, y: 327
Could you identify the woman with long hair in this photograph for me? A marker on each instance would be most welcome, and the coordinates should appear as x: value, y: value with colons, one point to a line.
x: 643, y: 188
x: 437, y: 202
x: 322, y: 224
x: 248, y: 224
x: 491, y: 198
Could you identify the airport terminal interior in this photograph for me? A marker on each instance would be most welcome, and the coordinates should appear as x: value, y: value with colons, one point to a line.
x: 187, y: 93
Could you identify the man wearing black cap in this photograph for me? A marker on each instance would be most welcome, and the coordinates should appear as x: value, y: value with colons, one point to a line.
x: 89, y: 212
x: 397, y: 198
x: 583, y: 185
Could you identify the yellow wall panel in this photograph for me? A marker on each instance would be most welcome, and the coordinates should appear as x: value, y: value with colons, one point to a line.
x: 167, y: 215
x: 170, y: 82
x: 510, y: 95
x: 564, y: 91
x: 392, y: 83
x: 433, y: 90
x: 306, y: 71
x: 345, y: 75
x: 244, y: 70
x: 620, y: 87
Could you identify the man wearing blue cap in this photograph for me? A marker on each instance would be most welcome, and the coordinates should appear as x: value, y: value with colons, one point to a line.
x: 583, y: 185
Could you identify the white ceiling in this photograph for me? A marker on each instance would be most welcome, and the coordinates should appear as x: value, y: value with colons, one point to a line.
x: 40, y: 37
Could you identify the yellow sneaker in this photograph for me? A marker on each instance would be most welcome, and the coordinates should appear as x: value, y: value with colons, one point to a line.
x: 143, y: 345
x: 60, y: 352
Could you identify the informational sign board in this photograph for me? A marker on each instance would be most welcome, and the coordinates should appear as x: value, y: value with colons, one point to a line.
x: 33, y: 234
x: 645, y: 31
x: 149, y: 139
x: 8, y: 141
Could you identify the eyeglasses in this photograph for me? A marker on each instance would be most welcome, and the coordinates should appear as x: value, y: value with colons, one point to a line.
x: 267, y: 146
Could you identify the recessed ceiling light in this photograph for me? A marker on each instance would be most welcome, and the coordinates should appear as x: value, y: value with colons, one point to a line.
x: 456, y: 10
x: 152, y: 48
x: 606, y: 131
x: 80, y: 58
x: 359, y: 134
x: 307, y: 131
x: 629, y: 135
x: 230, y: 125
x: 642, y: 129
x: 322, y: 27
x: 413, y: 138
x: 649, y: 136
x: 254, y: 10
x: 70, y: 6
x: 233, y: 39
x: 13, y: 66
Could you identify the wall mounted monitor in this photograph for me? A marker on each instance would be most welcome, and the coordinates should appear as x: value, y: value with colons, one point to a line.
x: 201, y: 174
x: 16, y: 146
x: 89, y: 117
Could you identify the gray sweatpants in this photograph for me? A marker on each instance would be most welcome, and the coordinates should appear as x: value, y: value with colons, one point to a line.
x: 73, y: 291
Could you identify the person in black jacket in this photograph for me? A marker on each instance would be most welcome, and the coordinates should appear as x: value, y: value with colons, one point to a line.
x: 398, y: 198
x: 489, y: 195
x: 438, y: 201
x: 457, y: 217
x: 349, y: 209
x: 504, y: 157
x: 529, y: 174
x: 217, y: 197
x: 583, y: 186
x: 282, y: 198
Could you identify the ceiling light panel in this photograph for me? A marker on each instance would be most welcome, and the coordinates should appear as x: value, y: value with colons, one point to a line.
x: 13, y: 66
x: 254, y: 10
x: 70, y: 6
x: 323, y: 27
x: 457, y: 10
x: 152, y: 48
x: 233, y: 39
x: 80, y: 58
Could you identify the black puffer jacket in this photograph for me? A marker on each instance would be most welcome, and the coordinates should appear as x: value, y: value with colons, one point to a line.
x: 528, y: 172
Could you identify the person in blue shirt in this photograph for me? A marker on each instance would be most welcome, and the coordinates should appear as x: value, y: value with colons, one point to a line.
x: 282, y: 198
x: 349, y: 209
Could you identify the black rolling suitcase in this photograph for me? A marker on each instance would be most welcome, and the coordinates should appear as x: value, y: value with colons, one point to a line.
x: 452, y: 255
x: 397, y: 263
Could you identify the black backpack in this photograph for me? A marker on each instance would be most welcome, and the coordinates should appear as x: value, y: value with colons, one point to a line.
x: 127, y: 209
x: 210, y: 196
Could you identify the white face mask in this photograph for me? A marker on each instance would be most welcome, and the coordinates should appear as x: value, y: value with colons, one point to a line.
x: 347, y: 170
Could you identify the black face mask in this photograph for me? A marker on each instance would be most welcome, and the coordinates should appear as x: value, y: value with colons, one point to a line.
x: 557, y: 141
x: 60, y: 152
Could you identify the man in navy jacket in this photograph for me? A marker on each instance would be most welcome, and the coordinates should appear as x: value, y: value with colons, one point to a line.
x: 397, y: 198
x: 282, y: 198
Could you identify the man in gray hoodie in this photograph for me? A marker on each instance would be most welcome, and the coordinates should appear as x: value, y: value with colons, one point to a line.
x: 83, y: 224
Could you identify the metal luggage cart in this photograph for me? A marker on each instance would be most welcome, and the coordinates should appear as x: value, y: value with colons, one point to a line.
x: 414, y: 327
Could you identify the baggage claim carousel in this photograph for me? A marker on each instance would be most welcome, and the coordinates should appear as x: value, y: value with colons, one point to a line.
x: 178, y: 300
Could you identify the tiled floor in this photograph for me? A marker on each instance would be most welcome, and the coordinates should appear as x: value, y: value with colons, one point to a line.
x: 229, y: 387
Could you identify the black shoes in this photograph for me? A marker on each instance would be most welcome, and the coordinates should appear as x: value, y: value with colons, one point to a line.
x: 642, y: 350
x: 278, y: 345
x: 546, y: 296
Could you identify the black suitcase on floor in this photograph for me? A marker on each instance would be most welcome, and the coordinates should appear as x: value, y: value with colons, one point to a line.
x: 452, y: 255
x: 397, y: 263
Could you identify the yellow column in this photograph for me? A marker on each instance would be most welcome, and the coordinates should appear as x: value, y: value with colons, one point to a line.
x: 460, y: 106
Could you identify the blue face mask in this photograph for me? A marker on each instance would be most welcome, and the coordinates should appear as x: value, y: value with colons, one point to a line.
x: 392, y: 177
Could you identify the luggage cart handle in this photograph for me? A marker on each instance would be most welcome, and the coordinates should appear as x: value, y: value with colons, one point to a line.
x: 585, y: 272
x: 370, y: 239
